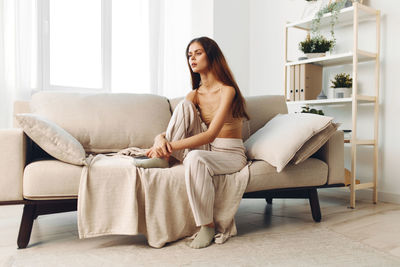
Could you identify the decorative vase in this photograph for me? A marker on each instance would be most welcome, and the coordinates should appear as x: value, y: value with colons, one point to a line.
x: 315, y: 55
x: 321, y: 95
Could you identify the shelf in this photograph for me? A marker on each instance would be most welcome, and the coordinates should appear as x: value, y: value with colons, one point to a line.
x: 365, y: 142
x: 363, y: 186
x: 336, y: 59
x: 345, y: 18
x: 361, y: 142
x: 334, y: 101
x: 350, y: 18
x: 366, y: 98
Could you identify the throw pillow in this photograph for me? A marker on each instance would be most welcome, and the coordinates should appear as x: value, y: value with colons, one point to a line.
x: 279, y: 140
x: 315, y: 143
x: 52, y: 138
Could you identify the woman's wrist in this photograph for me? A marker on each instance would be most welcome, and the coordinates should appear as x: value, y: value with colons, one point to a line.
x: 161, y: 136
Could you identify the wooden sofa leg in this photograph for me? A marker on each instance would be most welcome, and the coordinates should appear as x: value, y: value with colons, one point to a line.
x: 269, y: 200
x: 314, y: 204
x: 25, y: 228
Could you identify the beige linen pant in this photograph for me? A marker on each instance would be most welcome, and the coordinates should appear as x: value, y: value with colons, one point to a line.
x: 222, y: 156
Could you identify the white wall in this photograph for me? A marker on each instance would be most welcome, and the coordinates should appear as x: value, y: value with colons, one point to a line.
x: 231, y: 32
x: 266, y: 76
x: 202, y: 18
x: 267, y: 20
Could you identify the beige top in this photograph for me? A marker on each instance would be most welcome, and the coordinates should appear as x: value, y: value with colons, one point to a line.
x: 207, y: 112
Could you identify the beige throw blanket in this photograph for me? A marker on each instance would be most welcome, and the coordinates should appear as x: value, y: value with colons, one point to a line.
x: 115, y: 197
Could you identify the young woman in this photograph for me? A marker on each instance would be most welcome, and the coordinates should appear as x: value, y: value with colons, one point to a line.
x: 205, y: 132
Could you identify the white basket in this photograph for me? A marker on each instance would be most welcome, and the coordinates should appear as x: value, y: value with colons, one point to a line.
x: 315, y: 55
x: 341, y: 92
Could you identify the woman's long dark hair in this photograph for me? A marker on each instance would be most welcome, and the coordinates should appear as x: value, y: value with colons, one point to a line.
x: 220, y: 69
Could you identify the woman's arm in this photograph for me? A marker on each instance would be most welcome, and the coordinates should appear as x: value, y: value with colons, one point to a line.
x: 227, y: 95
x: 161, y: 147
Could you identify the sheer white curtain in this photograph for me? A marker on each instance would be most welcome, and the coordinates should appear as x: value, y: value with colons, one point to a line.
x: 18, y: 54
x: 149, y: 39
x: 170, y: 32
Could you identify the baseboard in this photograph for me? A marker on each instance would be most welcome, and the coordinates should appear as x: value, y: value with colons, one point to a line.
x: 365, y: 195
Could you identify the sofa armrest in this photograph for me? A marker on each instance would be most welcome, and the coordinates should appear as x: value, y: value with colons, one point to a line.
x: 333, y: 154
x: 12, y: 163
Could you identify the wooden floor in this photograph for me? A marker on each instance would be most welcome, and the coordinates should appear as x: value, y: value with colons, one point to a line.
x: 376, y: 226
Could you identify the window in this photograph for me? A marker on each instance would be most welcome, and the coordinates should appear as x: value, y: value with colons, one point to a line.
x: 134, y: 46
x: 72, y: 45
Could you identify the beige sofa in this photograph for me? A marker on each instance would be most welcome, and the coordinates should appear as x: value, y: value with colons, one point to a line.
x: 110, y: 122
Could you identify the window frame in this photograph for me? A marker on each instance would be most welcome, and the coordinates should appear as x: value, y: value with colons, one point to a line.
x: 43, y: 9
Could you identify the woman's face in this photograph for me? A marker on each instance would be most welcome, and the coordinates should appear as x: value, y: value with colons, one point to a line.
x: 197, y: 58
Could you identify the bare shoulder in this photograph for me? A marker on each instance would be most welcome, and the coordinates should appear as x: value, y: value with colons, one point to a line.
x: 228, y: 91
x: 190, y: 95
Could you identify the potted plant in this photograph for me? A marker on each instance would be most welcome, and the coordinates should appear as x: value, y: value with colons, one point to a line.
x: 307, y: 109
x: 334, y: 8
x: 317, y: 46
x: 341, y: 86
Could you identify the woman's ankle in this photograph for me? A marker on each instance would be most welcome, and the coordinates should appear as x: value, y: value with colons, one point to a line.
x: 211, y: 225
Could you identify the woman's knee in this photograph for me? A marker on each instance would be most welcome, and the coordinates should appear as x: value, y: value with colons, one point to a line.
x: 194, y: 156
x: 185, y: 104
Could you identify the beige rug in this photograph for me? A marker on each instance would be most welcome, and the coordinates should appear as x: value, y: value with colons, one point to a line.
x: 318, y: 247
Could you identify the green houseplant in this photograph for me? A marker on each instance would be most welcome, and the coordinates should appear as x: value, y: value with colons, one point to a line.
x: 341, y: 86
x: 342, y: 80
x: 307, y: 109
x: 315, y: 46
x: 333, y: 8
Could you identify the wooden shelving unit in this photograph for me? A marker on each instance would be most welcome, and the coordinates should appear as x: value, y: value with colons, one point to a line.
x: 353, y: 15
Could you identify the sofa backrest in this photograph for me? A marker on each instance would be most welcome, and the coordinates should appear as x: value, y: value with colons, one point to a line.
x: 260, y: 109
x: 106, y: 122
x: 110, y: 122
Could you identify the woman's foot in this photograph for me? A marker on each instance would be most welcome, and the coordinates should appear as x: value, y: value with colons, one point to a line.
x: 151, y: 163
x: 204, y: 237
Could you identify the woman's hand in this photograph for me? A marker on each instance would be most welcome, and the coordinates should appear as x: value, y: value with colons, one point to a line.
x: 160, y: 149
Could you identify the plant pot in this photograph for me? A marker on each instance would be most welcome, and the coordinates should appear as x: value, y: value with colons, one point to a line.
x: 342, y: 92
x: 315, y: 55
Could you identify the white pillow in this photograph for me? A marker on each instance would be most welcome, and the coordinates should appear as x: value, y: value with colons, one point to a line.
x: 279, y: 140
x: 52, y: 138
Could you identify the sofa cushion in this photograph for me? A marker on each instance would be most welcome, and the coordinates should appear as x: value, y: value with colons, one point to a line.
x: 53, y: 179
x: 52, y: 138
x: 263, y: 176
x: 262, y: 109
x: 314, y: 143
x: 279, y: 140
x: 105, y: 122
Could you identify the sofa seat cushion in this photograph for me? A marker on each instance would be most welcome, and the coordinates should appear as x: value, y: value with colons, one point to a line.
x: 53, y: 179
x: 263, y: 176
